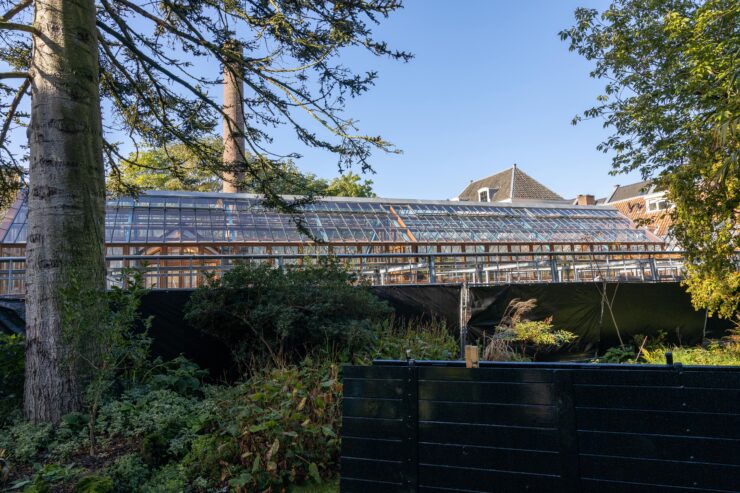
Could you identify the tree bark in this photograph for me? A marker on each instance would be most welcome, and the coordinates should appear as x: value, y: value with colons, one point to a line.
x: 66, y: 202
x: 234, y: 150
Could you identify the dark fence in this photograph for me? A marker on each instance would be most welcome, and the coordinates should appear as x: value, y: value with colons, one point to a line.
x: 509, y: 427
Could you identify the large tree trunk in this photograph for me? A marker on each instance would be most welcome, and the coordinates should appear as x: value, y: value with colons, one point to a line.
x: 66, y: 198
x: 234, y: 151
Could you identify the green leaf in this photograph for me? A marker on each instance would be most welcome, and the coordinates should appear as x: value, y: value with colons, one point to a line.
x: 313, y: 472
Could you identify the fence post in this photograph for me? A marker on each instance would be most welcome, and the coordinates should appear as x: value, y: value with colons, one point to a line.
x: 567, y: 430
x: 411, y: 428
x: 471, y: 357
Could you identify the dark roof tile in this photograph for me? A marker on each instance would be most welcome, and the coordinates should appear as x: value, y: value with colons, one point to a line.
x: 630, y: 191
x: 525, y: 187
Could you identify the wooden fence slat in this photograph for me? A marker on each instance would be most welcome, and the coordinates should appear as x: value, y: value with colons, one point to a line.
x: 520, y: 461
x: 662, y: 447
x: 540, y: 427
x: 488, y: 392
x: 661, y: 422
x: 492, y: 414
x: 489, y: 435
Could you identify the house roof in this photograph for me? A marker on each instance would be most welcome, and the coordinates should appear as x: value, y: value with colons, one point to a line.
x: 509, y: 184
x: 657, y: 222
x: 630, y: 191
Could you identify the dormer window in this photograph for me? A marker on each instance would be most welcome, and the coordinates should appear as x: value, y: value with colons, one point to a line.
x: 659, y: 204
x: 486, y: 194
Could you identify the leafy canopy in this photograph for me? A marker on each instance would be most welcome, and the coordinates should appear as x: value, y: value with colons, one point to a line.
x: 349, y: 185
x: 178, y: 168
x: 672, y: 99
x: 173, y: 168
x: 157, y: 95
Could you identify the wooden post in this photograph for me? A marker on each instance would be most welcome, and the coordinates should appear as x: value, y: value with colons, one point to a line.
x: 471, y: 356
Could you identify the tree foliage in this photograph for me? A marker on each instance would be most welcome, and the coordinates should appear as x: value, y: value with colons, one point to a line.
x: 178, y: 168
x: 171, y: 168
x: 156, y: 99
x: 672, y: 99
x: 349, y: 185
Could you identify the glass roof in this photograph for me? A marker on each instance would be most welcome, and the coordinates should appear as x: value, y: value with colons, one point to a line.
x: 190, y: 217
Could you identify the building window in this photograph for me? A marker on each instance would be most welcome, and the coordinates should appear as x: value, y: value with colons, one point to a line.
x: 654, y: 205
x: 486, y: 194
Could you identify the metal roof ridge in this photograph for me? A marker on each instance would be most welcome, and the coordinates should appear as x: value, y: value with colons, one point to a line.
x: 520, y: 203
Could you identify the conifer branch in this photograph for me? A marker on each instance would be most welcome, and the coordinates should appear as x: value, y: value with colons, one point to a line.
x: 16, y: 9
x: 14, y: 26
x: 14, y: 108
x: 14, y: 75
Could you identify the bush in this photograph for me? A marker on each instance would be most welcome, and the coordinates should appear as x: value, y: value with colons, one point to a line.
x: 429, y: 341
x: 267, y: 314
x: 652, y: 350
x: 12, y: 361
x: 278, y: 428
x: 714, y: 353
x: 169, y: 479
x: 25, y: 441
x: 129, y: 473
x: 94, y: 484
x: 517, y: 338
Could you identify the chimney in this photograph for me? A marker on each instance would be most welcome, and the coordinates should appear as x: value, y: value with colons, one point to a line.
x: 234, y: 150
x: 586, y: 200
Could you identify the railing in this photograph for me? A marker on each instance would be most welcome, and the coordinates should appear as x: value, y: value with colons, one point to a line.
x: 187, y: 271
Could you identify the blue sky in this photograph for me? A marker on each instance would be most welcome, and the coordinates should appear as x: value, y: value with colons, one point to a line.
x: 491, y: 85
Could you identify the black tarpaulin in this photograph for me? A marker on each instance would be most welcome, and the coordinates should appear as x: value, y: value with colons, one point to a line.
x: 423, y: 302
x: 594, y: 311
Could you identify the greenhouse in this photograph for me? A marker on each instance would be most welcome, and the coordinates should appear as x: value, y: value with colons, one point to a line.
x: 178, y: 236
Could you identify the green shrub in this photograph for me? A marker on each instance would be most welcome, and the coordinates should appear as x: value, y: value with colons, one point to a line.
x: 159, y: 417
x: 49, y: 477
x: 12, y: 361
x: 129, y: 473
x: 94, y: 484
x: 619, y: 354
x: 179, y: 375
x: 26, y: 442
x: 420, y: 341
x: 169, y: 479
x: 280, y: 427
x: 264, y: 313
x: 714, y: 353
x: 652, y: 350
x: 517, y: 338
